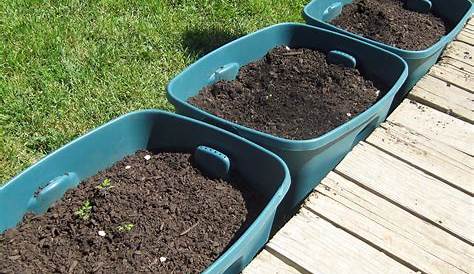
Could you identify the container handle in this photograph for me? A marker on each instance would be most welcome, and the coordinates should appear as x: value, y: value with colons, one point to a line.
x: 341, y: 58
x: 332, y: 11
x: 421, y: 6
x: 53, y: 191
x: 225, y: 72
x: 212, y: 162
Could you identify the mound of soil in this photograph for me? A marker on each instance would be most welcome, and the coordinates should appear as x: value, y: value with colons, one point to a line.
x: 159, y: 215
x: 291, y: 93
x: 388, y: 21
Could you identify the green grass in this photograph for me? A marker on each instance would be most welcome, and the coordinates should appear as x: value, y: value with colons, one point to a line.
x: 68, y: 66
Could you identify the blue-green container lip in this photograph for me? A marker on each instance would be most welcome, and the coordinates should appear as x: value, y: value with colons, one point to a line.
x: 268, y: 210
x: 404, y: 53
x: 284, y: 143
x: 279, y: 194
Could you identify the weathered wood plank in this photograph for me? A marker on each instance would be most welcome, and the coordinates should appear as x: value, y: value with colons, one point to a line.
x: 394, y: 230
x: 469, y: 30
x: 435, y: 125
x: 462, y: 66
x: 266, y: 263
x: 435, y: 158
x: 444, y: 97
x: 466, y: 37
x: 411, y: 188
x: 469, y: 25
x: 318, y: 246
x: 460, y: 51
x: 470, y: 22
x: 454, y: 72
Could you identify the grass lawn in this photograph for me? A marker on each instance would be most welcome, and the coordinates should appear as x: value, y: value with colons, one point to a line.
x: 68, y: 66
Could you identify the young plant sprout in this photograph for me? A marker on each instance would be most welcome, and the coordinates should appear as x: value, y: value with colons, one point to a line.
x: 125, y: 227
x: 84, y: 212
x: 105, y: 184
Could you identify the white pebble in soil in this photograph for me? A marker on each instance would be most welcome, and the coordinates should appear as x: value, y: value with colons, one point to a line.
x: 162, y: 259
x: 147, y: 157
x: 101, y: 233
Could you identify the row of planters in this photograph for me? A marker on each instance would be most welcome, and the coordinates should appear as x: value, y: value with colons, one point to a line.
x: 271, y: 114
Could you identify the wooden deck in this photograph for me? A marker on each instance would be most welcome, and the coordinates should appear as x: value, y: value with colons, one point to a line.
x: 402, y: 200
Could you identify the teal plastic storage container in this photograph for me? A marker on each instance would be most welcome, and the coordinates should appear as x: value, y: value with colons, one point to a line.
x: 308, y: 160
x: 320, y: 12
x: 150, y: 129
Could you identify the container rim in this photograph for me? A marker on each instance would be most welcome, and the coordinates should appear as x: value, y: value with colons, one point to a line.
x: 405, y: 53
x: 281, y: 190
x: 268, y: 210
x: 285, y: 143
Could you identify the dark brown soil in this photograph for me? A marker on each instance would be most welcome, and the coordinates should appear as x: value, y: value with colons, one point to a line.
x: 160, y: 215
x: 388, y: 21
x: 291, y: 93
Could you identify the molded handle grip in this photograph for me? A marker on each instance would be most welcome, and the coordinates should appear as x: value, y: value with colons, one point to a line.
x: 226, y: 72
x: 422, y: 6
x: 212, y: 162
x: 54, y: 191
x: 341, y: 58
x: 332, y: 11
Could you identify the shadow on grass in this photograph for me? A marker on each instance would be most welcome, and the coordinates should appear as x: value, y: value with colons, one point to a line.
x: 199, y: 42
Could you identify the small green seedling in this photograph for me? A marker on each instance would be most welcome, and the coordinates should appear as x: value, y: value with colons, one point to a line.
x: 105, y: 184
x: 85, y: 211
x: 125, y: 227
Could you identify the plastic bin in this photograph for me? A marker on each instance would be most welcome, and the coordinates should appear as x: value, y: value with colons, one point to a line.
x: 308, y: 160
x: 151, y: 129
x: 456, y: 12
